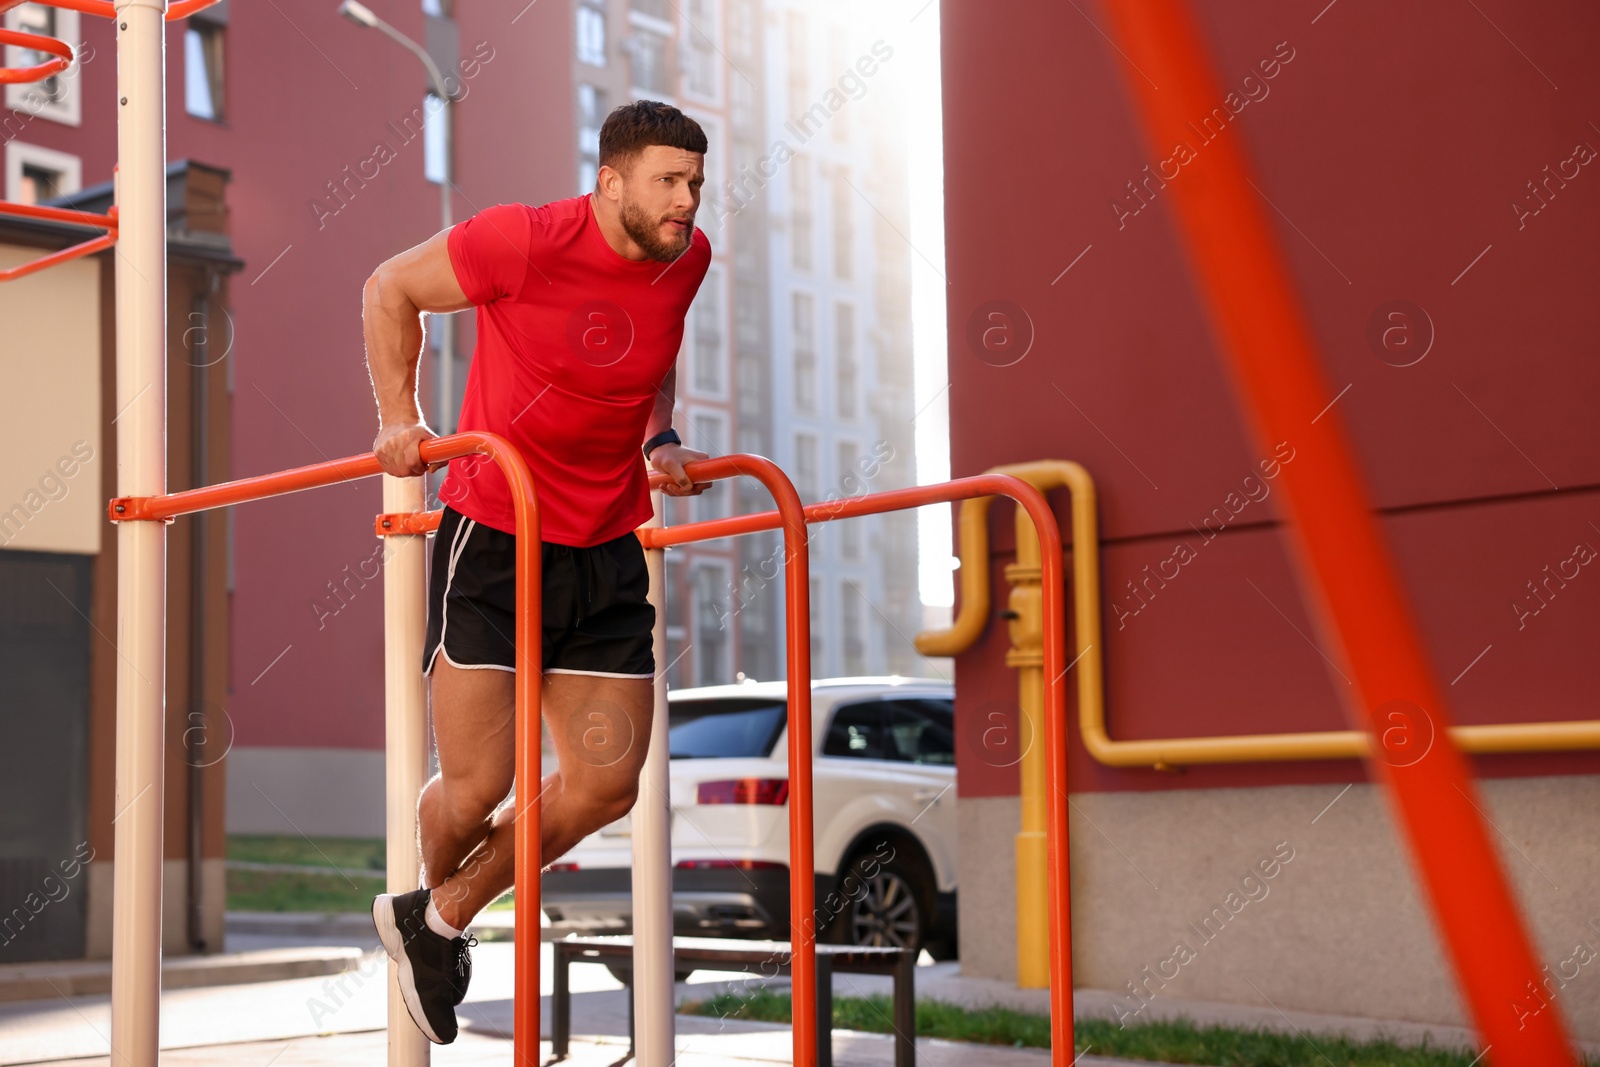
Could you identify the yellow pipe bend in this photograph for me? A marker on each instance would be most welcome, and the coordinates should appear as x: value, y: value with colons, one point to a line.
x: 1087, y: 657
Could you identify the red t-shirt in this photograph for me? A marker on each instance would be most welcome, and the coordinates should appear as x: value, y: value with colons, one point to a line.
x: 574, y: 340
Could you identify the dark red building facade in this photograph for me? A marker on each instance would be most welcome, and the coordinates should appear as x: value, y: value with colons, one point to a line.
x: 1427, y: 169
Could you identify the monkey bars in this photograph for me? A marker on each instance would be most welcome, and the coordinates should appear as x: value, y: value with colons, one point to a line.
x: 60, y: 57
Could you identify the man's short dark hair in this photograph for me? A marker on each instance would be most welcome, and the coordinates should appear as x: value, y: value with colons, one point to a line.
x: 633, y: 127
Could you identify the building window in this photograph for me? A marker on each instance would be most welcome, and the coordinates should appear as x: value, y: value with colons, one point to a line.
x: 743, y: 106
x: 34, y: 174
x: 800, y: 238
x: 709, y: 434
x: 798, y: 82
x: 844, y: 360
x: 752, y: 396
x: 435, y: 139
x: 742, y: 27
x: 650, y: 62
x: 711, y: 624
x: 678, y: 598
x: 805, y: 466
x: 819, y: 615
x: 56, y: 97
x: 202, y: 70
x: 591, y: 24
x: 805, y: 352
x: 700, y: 57
x: 747, y: 306
x: 592, y: 112
x: 850, y: 485
x: 853, y: 646
x: 708, y: 358
x: 843, y: 228
x: 838, y: 66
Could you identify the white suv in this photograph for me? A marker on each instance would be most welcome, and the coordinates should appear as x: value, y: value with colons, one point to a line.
x: 885, y: 818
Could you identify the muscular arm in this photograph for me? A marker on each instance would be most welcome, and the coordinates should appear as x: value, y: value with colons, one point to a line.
x: 666, y: 398
x: 417, y: 280
x: 669, y: 458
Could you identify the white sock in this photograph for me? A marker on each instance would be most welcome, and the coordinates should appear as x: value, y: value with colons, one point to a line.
x: 437, y: 924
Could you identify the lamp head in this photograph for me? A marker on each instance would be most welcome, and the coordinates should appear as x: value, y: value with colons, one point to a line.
x: 358, y: 13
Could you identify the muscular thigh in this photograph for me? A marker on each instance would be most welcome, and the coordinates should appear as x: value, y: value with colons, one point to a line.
x: 474, y: 729
x: 599, y: 726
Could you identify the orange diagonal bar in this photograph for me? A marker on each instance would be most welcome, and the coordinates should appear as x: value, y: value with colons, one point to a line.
x: 1343, y: 564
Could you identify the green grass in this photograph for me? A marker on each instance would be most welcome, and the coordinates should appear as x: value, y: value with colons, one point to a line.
x: 1179, y: 1041
x: 349, y: 854
x: 362, y: 860
x: 274, y: 891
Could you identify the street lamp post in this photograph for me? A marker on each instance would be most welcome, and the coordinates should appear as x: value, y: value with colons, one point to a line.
x: 361, y: 15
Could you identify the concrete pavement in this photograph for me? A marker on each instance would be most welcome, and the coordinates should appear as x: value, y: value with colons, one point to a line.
x: 340, y: 1018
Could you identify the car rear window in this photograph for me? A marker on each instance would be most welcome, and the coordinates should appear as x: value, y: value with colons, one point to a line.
x: 728, y: 728
x: 902, y: 729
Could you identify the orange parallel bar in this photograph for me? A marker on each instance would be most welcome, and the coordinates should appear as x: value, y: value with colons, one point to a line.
x: 1055, y: 671
x: 791, y: 515
x: 529, y: 652
x: 1053, y: 586
x: 1344, y: 566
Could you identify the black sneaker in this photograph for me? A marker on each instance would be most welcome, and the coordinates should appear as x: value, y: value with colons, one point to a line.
x: 434, y: 970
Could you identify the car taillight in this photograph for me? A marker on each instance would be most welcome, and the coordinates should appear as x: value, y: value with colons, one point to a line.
x: 562, y: 867
x: 740, y: 865
x: 744, y: 791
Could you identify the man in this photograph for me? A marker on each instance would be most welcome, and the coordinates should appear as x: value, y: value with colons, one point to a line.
x: 581, y: 308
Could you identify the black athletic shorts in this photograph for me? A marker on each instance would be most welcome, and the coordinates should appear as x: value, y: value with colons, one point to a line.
x: 597, y: 619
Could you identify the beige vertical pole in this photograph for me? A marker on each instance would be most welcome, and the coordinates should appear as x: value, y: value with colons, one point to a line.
x: 405, y: 730
x: 653, y: 993
x: 141, y: 391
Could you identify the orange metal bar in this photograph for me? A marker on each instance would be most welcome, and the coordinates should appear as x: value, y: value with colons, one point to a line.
x: 35, y: 42
x: 529, y: 652
x: 1344, y: 566
x: 802, y: 866
x: 1055, y: 675
x: 34, y: 265
x: 792, y: 517
x: 406, y: 522
x: 58, y: 214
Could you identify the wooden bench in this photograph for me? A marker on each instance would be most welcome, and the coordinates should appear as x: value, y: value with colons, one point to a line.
x: 767, y: 958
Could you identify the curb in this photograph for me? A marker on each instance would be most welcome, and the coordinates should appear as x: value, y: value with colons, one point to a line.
x: 55, y: 978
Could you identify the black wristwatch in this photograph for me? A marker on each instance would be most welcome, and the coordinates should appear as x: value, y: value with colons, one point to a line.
x: 665, y: 437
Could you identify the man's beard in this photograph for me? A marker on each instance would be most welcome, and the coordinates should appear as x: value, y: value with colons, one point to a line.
x: 645, y: 230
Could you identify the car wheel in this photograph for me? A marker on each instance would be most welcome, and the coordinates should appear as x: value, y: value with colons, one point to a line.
x: 886, y: 904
